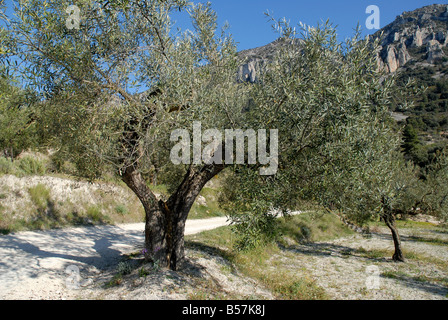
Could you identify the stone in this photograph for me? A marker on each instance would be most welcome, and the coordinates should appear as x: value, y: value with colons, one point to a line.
x: 403, y: 55
x: 249, y: 71
x: 391, y: 59
x: 418, y: 38
x: 434, y: 51
x: 410, y: 35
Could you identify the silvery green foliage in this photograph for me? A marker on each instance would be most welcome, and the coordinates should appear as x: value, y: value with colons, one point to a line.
x: 89, y: 76
x: 337, y: 144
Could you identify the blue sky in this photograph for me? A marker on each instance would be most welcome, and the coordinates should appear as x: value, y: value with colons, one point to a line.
x: 250, y: 27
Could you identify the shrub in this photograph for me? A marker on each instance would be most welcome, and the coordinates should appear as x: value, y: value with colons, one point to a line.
x: 27, y: 165
x: 306, y: 232
x: 6, y: 166
x: 441, y: 87
x: 124, y: 268
x: 121, y: 209
x: 40, y: 196
x: 142, y: 272
x: 254, y: 230
x: 95, y: 214
x: 432, y: 96
x: 31, y: 166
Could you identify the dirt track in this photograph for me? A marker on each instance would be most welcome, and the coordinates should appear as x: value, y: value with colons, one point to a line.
x: 33, y: 264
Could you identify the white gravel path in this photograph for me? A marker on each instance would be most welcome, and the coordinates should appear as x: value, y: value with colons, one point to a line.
x: 33, y: 264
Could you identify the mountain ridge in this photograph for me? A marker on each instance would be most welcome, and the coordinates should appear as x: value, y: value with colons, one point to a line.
x: 420, y: 35
x: 424, y: 30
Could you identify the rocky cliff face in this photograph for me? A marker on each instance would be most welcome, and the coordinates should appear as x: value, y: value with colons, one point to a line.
x: 420, y: 35
x: 255, y: 59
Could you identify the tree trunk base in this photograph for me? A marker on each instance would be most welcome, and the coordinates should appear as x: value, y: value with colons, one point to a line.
x: 398, y: 257
x: 165, y: 220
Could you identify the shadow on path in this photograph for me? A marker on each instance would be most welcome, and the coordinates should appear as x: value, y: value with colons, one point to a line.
x: 30, y: 254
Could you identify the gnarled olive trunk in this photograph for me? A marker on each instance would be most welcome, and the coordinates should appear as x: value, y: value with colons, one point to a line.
x: 389, y: 219
x: 165, y: 221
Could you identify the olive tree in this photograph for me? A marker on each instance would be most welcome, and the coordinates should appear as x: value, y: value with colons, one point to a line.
x: 116, y: 79
x: 338, y: 147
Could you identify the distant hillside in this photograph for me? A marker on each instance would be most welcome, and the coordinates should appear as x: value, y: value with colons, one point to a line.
x: 415, y: 45
x: 419, y: 37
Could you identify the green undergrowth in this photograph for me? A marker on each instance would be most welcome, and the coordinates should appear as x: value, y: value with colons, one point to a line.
x: 206, y: 205
x: 28, y: 165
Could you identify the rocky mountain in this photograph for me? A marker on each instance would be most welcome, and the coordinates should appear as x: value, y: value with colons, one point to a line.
x: 420, y: 36
x: 415, y: 45
x: 255, y: 59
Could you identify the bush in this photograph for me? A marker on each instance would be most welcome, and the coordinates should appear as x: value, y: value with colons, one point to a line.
x: 40, y: 196
x: 254, y: 230
x: 6, y: 166
x: 306, y: 232
x: 95, y: 214
x: 443, y: 105
x: 31, y: 166
x: 441, y: 87
x: 121, y: 209
x: 27, y: 165
x: 432, y: 96
x: 124, y: 268
x: 430, y: 121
